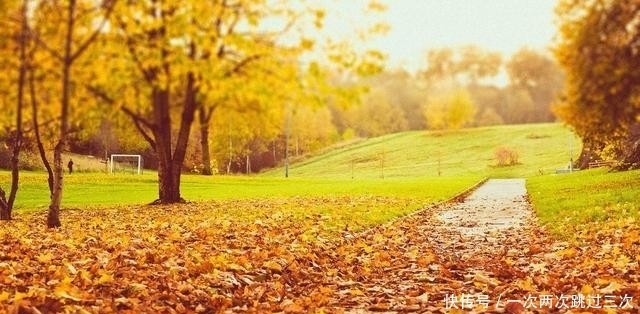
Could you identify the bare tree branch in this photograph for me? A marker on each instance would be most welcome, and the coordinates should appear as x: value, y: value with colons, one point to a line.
x: 243, y: 63
x: 141, y: 124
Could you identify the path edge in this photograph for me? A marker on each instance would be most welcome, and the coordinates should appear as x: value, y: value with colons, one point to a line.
x: 457, y: 198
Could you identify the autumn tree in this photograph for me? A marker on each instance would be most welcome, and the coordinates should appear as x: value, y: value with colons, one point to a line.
x: 255, y: 77
x: 489, y: 100
x: 540, y: 77
x: 289, y: 76
x: 468, y: 65
x: 250, y: 121
x: 311, y: 129
x: 17, y: 26
x: 377, y: 115
x: 516, y: 105
x: 451, y: 110
x: 185, y: 56
x: 598, y: 46
x: 82, y: 21
x: 402, y: 90
x: 454, y: 79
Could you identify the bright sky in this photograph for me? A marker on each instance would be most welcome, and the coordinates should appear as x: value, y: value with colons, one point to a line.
x: 496, y: 25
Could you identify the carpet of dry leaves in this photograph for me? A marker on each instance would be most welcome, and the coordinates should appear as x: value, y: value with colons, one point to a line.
x: 255, y: 256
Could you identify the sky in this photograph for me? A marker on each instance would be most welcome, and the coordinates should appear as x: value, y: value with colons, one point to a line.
x: 497, y: 25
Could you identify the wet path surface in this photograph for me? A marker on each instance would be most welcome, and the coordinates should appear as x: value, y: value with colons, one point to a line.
x: 497, y: 205
x: 493, y: 215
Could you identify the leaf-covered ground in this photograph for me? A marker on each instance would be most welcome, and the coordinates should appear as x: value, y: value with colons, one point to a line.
x: 262, y: 256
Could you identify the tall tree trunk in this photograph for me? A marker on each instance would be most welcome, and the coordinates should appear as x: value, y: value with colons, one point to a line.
x: 5, y: 213
x: 631, y: 158
x: 204, y: 115
x: 591, y: 150
x: 170, y: 164
x: 168, y: 190
x: 53, y: 217
x: 7, y: 205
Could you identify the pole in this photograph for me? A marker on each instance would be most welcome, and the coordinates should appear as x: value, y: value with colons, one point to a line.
x: 286, y: 142
x: 570, y: 154
x: 382, y: 164
x: 353, y: 161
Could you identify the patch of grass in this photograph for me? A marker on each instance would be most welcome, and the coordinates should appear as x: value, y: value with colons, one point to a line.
x: 568, y: 203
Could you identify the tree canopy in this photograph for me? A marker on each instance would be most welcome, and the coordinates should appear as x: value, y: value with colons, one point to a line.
x: 598, y: 47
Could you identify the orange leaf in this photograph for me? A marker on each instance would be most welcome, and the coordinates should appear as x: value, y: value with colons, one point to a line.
x: 68, y: 291
x: 526, y: 285
x: 356, y: 292
x: 4, y: 296
x: 45, y: 257
x: 104, y: 278
x: 424, y: 261
x: 18, y: 297
x: 587, y: 290
x: 273, y: 266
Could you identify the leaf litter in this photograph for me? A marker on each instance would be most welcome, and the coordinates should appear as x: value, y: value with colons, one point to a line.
x: 486, y: 254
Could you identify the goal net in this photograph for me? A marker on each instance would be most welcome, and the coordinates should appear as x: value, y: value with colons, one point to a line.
x: 124, y: 163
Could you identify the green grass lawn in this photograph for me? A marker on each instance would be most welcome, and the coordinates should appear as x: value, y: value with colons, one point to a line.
x: 570, y: 202
x: 100, y: 190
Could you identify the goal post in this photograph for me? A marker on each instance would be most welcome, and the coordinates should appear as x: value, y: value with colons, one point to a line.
x: 114, y: 162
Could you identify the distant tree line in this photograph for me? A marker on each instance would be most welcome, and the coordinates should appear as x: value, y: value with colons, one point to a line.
x: 457, y: 88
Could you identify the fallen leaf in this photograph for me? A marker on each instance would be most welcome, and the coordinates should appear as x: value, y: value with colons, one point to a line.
x: 273, y: 266
x: 68, y: 291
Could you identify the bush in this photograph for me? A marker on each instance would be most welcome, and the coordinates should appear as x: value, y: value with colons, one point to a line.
x: 506, y: 156
x: 28, y: 160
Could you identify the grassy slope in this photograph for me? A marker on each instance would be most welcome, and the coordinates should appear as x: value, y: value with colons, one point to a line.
x: 466, y: 152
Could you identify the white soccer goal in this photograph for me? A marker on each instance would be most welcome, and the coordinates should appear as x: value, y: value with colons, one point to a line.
x: 125, y: 163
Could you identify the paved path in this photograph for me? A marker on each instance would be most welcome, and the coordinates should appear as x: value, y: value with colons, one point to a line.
x: 490, y: 222
x: 497, y: 205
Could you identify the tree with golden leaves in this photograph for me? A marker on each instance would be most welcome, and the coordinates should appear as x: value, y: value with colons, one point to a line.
x: 598, y: 46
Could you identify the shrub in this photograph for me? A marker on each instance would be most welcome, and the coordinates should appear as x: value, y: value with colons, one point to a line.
x: 506, y: 156
x: 28, y: 160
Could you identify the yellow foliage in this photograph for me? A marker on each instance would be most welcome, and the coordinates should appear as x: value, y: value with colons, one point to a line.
x: 452, y: 110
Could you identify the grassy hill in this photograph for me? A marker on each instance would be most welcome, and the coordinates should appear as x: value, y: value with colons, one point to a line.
x: 409, y: 162
x: 470, y: 152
